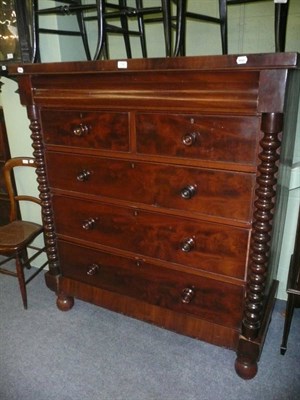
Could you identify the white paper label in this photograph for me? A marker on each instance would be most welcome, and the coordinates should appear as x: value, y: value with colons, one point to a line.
x: 122, y: 64
x: 27, y: 161
x: 242, y: 60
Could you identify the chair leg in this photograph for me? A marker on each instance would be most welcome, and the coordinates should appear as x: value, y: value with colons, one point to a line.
x: 105, y: 48
x: 102, y: 48
x: 167, y: 23
x: 36, y: 55
x: 141, y: 27
x: 223, y: 25
x: 24, y: 257
x: 21, y: 279
x: 288, y: 320
x: 124, y: 25
x: 81, y: 24
x: 281, y: 15
x: 179, y: 48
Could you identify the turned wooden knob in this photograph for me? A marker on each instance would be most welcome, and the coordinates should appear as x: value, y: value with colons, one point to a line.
x: 92, y: 269
x: 188, y: 245
x: 188, y: 192
x: 81, y: 130
x: 83, y: 175
x: 189, y: 139
x: 187, y: 295
x: 89, y: 223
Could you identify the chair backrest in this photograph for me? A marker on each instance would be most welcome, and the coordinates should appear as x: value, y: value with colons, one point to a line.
x: 14, y: 198
x: 71, y: 8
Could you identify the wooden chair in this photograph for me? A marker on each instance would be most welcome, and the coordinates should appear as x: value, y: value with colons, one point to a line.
x: 146, y: 14
x: 65, y: 8
x: 183, y: 15
x: 107, y: 11
x: 111, y: 18
x: 280, y: 20
x: 17, y: 236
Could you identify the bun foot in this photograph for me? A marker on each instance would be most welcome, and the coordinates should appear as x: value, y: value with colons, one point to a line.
x: 246, y: 369
x: 64, y: 303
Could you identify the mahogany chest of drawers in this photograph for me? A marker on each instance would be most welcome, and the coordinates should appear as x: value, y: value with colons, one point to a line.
x: 158, y: 182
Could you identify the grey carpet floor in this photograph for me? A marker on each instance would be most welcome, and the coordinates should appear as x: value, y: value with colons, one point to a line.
x: 90, y: 353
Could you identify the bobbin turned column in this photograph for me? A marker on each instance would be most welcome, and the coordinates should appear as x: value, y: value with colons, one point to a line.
x: 47, y: 214
x: 256, y: 302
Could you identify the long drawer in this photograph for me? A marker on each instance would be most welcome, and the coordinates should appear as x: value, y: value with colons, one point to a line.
x: 205, y: 298
x: 213, y: 138
x: 208, y: 246
x: 93, y: 130
x: 205, y: 191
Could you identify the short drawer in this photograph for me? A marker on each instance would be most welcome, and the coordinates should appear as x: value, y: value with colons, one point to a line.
x: 206, y: 298
x: 205, y: 191
x: 95, y: 130
x: 213, y: 138
x: 202, y: 245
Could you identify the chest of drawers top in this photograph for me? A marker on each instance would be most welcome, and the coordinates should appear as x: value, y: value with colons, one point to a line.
x: 211, y: 84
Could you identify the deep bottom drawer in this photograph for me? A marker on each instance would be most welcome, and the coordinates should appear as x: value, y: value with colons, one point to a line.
x: 209, y: 299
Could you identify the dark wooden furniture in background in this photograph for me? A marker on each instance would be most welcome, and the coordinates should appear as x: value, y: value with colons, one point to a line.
x: 184, y: 15
x: 15, y: 32
x: 110, y: 17
x: 4, y: 156
x: 280, y: 20
x: 66, y: 8
x: 118, y: 18
x: 158, y: 183
x: 293, y: 288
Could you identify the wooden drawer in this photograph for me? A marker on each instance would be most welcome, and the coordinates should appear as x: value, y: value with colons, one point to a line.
x: 210, y: 192
x: 206, y: 298
x: 208, y: 246
x: 94, y: 130
x: 224, y: 139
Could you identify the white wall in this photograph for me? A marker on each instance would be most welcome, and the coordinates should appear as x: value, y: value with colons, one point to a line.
x: 250, y: 31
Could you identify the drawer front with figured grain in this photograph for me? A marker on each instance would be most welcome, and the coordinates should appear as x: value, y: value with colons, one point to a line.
x: 198, y: 244
x: 211, y: 138
x: 206, y: 298
x: 92, y: 130
x: 205, y: 191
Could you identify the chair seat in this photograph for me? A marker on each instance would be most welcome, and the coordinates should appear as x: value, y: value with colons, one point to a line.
x: 17, y: 234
